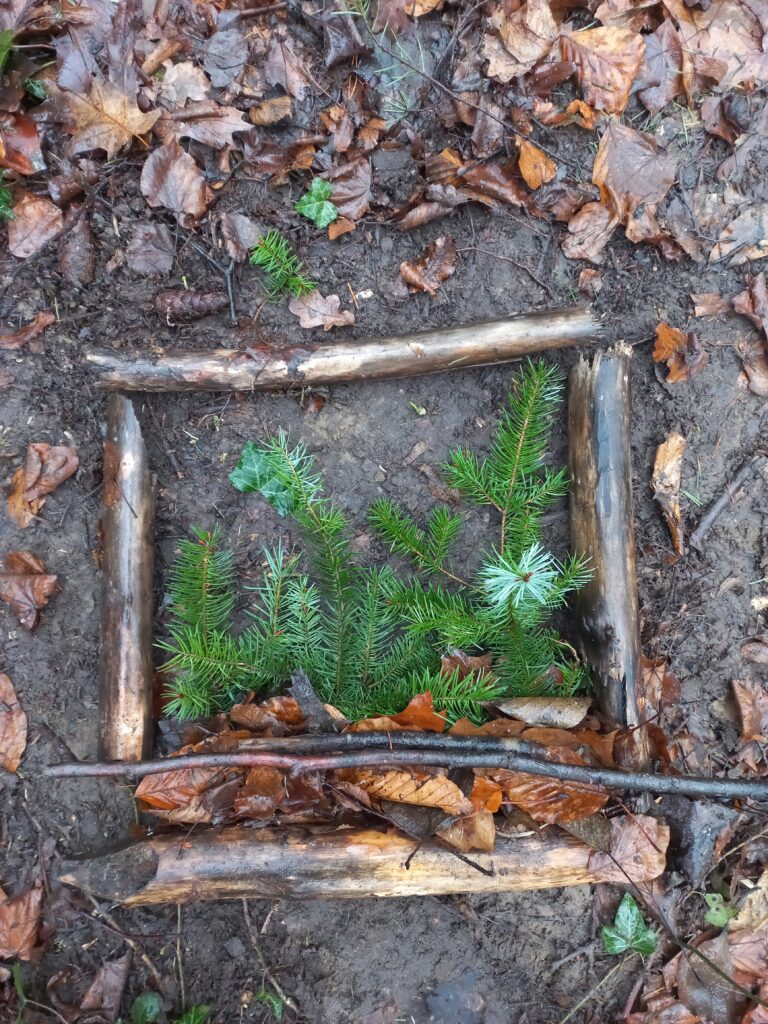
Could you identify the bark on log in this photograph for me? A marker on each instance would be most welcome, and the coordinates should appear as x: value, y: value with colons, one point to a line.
x: 244, y: 863
x: 602, y: 527
x: 264, y: 367
x: 125, y: 671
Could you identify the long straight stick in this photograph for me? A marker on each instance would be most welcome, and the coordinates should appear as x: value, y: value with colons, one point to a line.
x: 127, y: 521
x: 264, y: 367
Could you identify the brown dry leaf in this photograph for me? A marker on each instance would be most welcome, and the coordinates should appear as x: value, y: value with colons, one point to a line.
x: 46, y: 467
x: 554, y: 712
x: 264, y: 156
x: 433, y: 266
x: 577, y: 112
x: 35, y: 222
x: 418, y: 8
x: 171, y: 178
x: 409, y: 787
x: 661, y: 688
x: 638, y: 849
x: 681, y: 351
x: 316, y: 310
x: 634, y: 14
x: 527, y: 35
x: 182, y: 82
x: 607, y: 61
x: 206, y: 122
x: 710, y: 304
x: 19, y: 923
x: 276, y: 716
x: 25, y: 586
x: 703, y: 989
x: 267, y: 790
x: 475, y: 832
x: 666, y: 482
x: 440, y: 201
x: 753, y: 914
x: 465, y: 664
x: 13, y: 726
x: 562, y: 199
x: 662, y: 72
x: 13, y: 340
x: 550, y: 801
x: 419, y: 716
x: 283, y: 67
x: 754, y: 356
x: 745, y: 238
x: 753, y: 302
x: 756, y: 650
x: 589, y: 231
x: 151, y: 251
x: 20, y: 145
x: 105, y: 993
x: 535, y: 166
x: 722, y: 42
x: 590, y: 282
x: 633, y: 174
x: 752, y: 702
x: 340, y: 226
x: 106, y: 118
x: 271, y: 111
x: 240, y: 234
x: 225, y: 55
x: 351, y: 183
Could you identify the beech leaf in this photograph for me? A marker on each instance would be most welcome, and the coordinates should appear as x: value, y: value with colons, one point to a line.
x: 45, y: 468
x: 607, y: 61
x: 171, y: 178
x: 207, y: 122
x: 681, y: 351
x: 19, y: 923
x: 535, y: 166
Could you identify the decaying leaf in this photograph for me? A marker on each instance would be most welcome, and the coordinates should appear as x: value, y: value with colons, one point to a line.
x: 577, y: 112
x: 351, y: 193
x: 535, y: 166
x: 175, y: 304
x: 13, y: 726
x: 753, y: 302
x: 171, y: 178
x: 682, y: 352
x: 710, y: 304
x: 20, y: 144
x: 527, y: 35
x: 25, y: 586
x: 225, y: 56
x: 45, y: 468
x: 661, y: 687
x: 589, y: 231
x: 409, y: 787
x: 283, y: 67
x: 745, y: 238
x: 662, y: 72
x: 12, y: 340
x: 105, y: 118
x: 271, y: 111
x: 666, y: 483
x: 638, y: 849
x: 590, y: 282
x: 105, y: 993
x: 550, y: 801
x: 240, y: 234
x: 756, y: 650
x: 182, y: 82
x: 752, y: 702
x: 35, y: 222
x: 207, y: 122
x: 151, y: 250
x: 554, y: 712
x: 19, y: 923
x: 607, y: 61
x: 77, y: 248
x: 434, y: 265
x: 316, y: 310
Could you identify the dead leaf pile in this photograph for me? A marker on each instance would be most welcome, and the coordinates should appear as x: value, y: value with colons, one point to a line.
x: 45, y: 468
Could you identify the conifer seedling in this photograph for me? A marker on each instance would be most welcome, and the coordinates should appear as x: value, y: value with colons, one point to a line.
x: 368, y: 638
x: 284, y: 270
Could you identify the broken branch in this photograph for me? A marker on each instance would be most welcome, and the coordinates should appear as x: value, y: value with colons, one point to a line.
x: 754, y: 464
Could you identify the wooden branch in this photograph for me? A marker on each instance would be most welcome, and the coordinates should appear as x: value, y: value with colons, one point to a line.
x: 602, y: 527
x: 247, y: 863
x: 127, y: 521
x: 264, y: 367
x: 397, y: 748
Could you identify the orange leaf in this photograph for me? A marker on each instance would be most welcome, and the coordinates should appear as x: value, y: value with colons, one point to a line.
x: 683, y: 353
x: 410, y: 787
x: 17, y: 339
x: 25, y: 586
x: 550, y: 801
x: 46, y: 467
x: 19, y: 922
x: 13, y: 726
x: 420, y: 715
x: 535, y: 166
x: 752, y: 701
x: 434, y: 265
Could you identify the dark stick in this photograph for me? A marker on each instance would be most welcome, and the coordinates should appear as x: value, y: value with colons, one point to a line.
x: 756, y: 463
x: 642, y: 782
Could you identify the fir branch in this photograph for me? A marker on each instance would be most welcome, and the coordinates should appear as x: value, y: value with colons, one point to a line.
x: 283, y: 268
x: 427, y: 550
x: 202, y: 582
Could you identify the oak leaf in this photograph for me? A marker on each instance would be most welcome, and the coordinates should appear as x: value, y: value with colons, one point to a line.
x: 682, y: 352
x: 106, y: 118
x: 45, y: 468
x: 25, y: 586
x: 433, y: 266
x: 12, y: 340
x: 316, y: 310
x: 13, y: 726
x: 171, y: 178
x: 35, y: 222
x: 607, y: 61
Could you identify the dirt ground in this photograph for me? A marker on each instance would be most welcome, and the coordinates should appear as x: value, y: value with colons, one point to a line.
x: 502, y: 959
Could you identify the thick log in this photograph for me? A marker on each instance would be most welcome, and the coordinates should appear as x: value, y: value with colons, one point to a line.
x: 602, y: 527
x: 125, y: 670
x: 265, y: 368
x: 244, y: 863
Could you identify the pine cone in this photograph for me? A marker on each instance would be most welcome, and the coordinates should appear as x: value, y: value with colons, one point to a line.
x: 178, y: 304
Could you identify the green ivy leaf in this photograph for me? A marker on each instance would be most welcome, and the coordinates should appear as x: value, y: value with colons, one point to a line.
x: 719, y: 913
x: 273, y: 1002
x: 35, y: 89
x: 315, y: 204
x: 629, y: 931
x: 253, y: 472
x: 146, y: 1008
x: 6, y: 45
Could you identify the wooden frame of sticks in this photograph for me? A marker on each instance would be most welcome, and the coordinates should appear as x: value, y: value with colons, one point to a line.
x: 237, y: 861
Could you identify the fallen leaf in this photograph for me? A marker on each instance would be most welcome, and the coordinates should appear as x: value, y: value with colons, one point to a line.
x: 527, y: 35
x: 105, y: 993
x: 13, y: 726
x: 106, y: 118
x: 35, y: 222
x: 722, y: 42
x: 225, y: 55
x: 340, y: 226
x: 754, y: 356
x: 73, y: 180
x: 710, y: 304
x: 77, y: 248
x: 13, y: 340
x: 182, y: 82
x: 409, y: 787
x: 419, y: 715
x: 283, y: 67
x: 590, y: 282
x: 627, y: 13
x: 264, y: 156
x: 488, y: 132
x: 745, y: 238
x: 433, y: 266
x: 45, y: 468
x: 753, y: 914
x: 271, y: 111
x: 589, y: 231
x: 342, y: 36
x: 240, y: 234
x: 607, y: 61
x: 316, y: 310
x: 478, y: 665
x: 206, y: 122
x: 276, y: 716
x: 535, y: 166
x: 351, y: 193
x: 756, y: 650
x: 25, y: 586
x: 577, y: 112
x: 752, y: 702
x: 662, y: 72
x: 555, y: 712
x: 476, y: 831
x: 634, y: 175
x: 151, y: 250
x: 666, y: 483
x: 638, y: 849
x: 661, y: 688
x: 20, y: 145
x: 753, y: 302
x: 562, y: 199
x: 550, y: 801
x: 171, y: 178
x: 682, y: 352
x: 19, y: 923
x: 703, y: 989
x: 175, y: 304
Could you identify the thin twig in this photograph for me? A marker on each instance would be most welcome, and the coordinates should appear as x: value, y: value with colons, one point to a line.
x: 594, y: 988
x: 129, y: 942
x: 262, y: 960
x: 508, y: 259
x: 171, y: 455
x: 754, y: 463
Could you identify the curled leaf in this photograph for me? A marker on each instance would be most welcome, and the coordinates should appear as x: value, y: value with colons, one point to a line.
x: 682, y: 352
x: 607, y: 61
x: 46, y: 467
x: 25, y: 586
x: 666, y: 482
x: 12, y: 340
x: 13, y: 726
x: 435, y: 264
